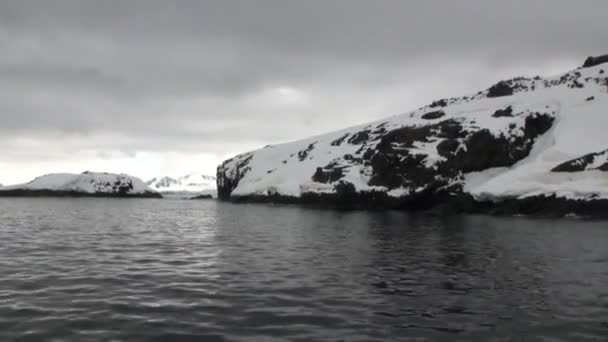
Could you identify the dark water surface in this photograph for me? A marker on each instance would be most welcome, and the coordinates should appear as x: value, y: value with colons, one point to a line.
x: 177, y: 270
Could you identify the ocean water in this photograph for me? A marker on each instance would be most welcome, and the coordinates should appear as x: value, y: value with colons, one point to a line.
x: 179, y: 270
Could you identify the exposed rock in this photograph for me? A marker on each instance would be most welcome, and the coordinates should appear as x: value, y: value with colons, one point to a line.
x: 593, y: 61
x: 507, y: 112
x: 302, y: 155
x: 328, y: 174
x: 339, y: 141
x: 546, y: 206
x: 202, y: 197
x: 592, y: 161
x: 433, y: 115
x: 395, y: 165
x: 359, y: 137
x: 61, y: 193
x: 500, y: 89
x: 439, y: 103
x: 228, y: 179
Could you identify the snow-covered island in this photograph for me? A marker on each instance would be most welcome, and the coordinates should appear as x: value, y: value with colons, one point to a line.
x: 188, y: 186
x: 87, y: 184
x: 523, y: 146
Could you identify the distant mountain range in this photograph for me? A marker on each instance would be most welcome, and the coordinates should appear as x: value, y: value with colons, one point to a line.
x: 98, y: 184
x: 188, y: 183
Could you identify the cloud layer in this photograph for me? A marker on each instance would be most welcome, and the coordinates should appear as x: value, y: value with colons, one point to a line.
x: 182, y: 84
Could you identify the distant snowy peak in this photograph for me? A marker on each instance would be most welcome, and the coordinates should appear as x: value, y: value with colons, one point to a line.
x: 524, y: 145
x: 86, y: 184
x: 188, y: 183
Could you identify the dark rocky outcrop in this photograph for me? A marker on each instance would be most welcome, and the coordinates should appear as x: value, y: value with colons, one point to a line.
x: 501, y: 113
x: 227, y: 183
x: 359, y: 137
x: 500, y: 89
x: 328, y: 174
x: 202, y: 197
x: 433, y: 115
x: 439, y: 103
x: 395, y: 165
x: 340, y: 140
x: 456, y: 203
x: 593, y: 61
x: 543, y: 206
x: 302, y: 155
x: 583, y: 163
x: 60, y: 193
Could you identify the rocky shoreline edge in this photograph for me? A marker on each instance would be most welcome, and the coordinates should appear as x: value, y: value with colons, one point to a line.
x: 535, y: 206
x: 61, y: 193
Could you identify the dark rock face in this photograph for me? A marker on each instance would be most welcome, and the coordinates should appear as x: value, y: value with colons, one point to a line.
x: 302, y: 155
x: 359, y: 137
x: 500, y: 89
x: 439, y: 103
x: 227, y: 183
x: 202, y: 197
x: 340, y: 140
x: 433, y: 115
x: 584, y: 163
x: 593, y: 61
x: 328, y: 174
x: 395, y: 165
x: 544, y: 206
x: 501, y: 113
x: 446, y: 204
x: 123, y: 188
x: 59, y: 193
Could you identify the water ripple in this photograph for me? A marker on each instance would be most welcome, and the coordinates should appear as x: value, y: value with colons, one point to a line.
x: 169, y: 270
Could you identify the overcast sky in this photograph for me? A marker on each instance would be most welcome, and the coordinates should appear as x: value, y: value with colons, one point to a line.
x: 156, y: 87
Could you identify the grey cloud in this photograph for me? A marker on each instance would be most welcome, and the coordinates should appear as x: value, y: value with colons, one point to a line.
x: 191, y: 75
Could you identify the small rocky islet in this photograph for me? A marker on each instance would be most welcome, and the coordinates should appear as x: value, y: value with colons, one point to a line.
x: 86, y: 184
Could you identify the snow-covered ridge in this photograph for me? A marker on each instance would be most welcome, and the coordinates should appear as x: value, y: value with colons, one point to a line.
x: 85, y: 184
x: 188, y: 183
x: 504, y: 143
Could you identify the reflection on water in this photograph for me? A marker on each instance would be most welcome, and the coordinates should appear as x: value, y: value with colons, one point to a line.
x: 175, y: 270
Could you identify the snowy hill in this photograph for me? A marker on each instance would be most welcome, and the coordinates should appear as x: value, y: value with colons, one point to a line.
x: 526, y: 145
x: 188, y: 183
x: 86, y: 184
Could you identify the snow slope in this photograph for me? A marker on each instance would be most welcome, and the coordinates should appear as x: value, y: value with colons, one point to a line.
x: 189, y: 183
x: 505, y: 142
x: 87, y: 183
